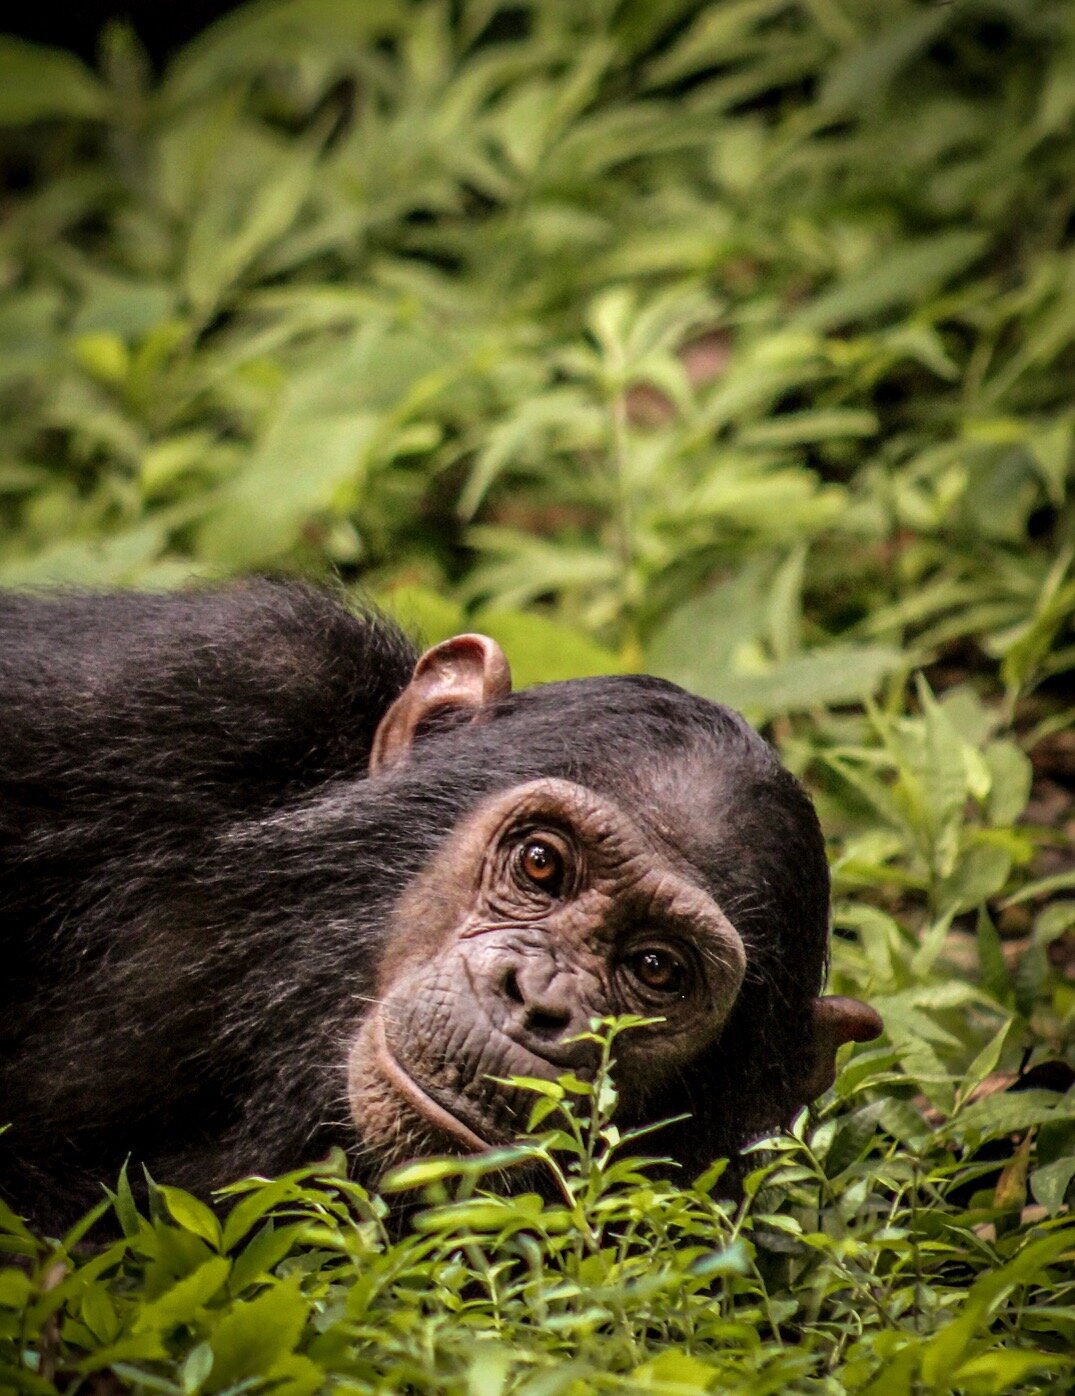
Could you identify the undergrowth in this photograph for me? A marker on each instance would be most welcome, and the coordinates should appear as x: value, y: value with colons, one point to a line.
x: 854, y: 1259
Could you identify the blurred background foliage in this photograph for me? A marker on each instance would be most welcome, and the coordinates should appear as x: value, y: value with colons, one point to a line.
x: 732, y: 341
x: 647, y: 313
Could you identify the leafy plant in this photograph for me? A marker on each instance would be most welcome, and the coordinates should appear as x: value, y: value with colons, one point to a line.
x: 604, y: 1278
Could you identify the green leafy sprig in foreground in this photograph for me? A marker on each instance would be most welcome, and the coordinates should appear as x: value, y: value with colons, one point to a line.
x: 861, y: 1256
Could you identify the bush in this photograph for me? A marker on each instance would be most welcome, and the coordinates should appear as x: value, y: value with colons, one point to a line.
x: 849, y: 1264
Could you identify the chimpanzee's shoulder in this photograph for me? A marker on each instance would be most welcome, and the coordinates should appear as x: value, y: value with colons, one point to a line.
x: 260, y: 623
x: 260, y: 683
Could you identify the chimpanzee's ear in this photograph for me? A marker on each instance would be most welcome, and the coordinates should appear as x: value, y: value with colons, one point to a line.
x: 836, y: 1020
x: 463, y: 674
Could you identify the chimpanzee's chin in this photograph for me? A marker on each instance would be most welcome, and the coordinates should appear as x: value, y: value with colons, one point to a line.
x: 396, y: 1116
x: 445, y: 1120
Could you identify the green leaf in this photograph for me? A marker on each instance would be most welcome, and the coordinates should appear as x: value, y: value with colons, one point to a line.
x: 835, y: 674
x: 994, y: 968
x: 418, y: 1175
x: 710, y: 645
x: 946, y: 1350
x: 254, y: 1334
x: 980, y: 873
x: 864, y: 72
x: 263, y: 1196
x: 1010, y: 778
x: 690, y: 650
x: 251, y: 201
x: 15, y: 1289
x: 263, y: 1254
x: 182, y: 1301
x: 1050, y: 1183
x: 38, y: 83
x: 192, y: 1215
x: 321, y: 440
x: 997, y: 1372
x: 296, y: 1375
x: 472, y: 1215
x: 942, y: 767
x: 714, y: 36
x: 195, y: 1370
x: 13, y: 1224
x: 674, y: 1369
x: 294, y: 473
x: 125, y: 1208
x: 1010, y: 1112
x: 902, y: 275
x: 795, y: 428
x: 1051, y: 446
x: 1043, y: 887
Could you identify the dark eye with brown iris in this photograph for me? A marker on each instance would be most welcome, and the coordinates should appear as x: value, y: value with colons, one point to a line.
x: 542, y: 864
x: 660, y: 971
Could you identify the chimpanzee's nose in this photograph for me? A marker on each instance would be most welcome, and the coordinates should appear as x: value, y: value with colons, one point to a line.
x: 543, y: 1003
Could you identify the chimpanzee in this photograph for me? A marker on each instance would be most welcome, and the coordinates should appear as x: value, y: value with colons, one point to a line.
x: 271, y: 882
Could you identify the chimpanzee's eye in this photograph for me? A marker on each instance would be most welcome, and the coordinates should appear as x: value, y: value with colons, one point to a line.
x: 542, y: 863
x: 660, y: 971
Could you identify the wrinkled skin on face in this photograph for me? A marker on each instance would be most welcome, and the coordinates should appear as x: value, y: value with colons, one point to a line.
x: 556, y: 903
x: 547, y: 909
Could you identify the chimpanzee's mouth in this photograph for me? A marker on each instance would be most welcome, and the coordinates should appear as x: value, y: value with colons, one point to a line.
x: 420, y: 1101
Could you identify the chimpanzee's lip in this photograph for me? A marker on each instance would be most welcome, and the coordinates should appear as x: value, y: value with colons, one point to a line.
x: 429, y: 1109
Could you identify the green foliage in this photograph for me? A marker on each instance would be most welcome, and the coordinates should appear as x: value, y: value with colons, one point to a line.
x: 850, y: 1261
x: 598, y: 305
x: 733, y: 341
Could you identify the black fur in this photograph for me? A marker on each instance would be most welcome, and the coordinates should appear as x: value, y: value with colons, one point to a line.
x: 196, y: 875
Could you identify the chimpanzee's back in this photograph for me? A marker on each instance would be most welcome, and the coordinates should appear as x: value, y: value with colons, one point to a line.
x: 133, y: 730
x: 133, y: 724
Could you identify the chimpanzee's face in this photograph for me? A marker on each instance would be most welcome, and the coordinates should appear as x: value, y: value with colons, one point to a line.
x: 557, y: 902
x: 548, y: 908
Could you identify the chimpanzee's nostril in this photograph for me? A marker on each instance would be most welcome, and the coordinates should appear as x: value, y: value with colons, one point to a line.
x: 545, y: 1022
x: 540, y: 1010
